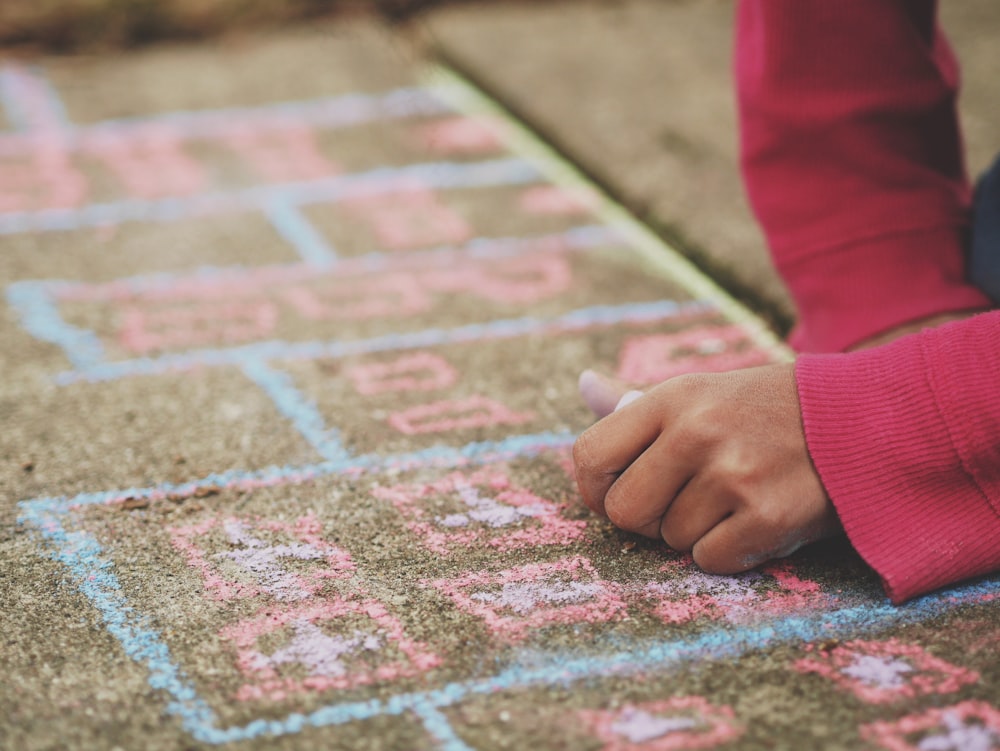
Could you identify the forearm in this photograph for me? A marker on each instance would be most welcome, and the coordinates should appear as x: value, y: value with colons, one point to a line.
x: 852, y: 159
x: 906, y: 439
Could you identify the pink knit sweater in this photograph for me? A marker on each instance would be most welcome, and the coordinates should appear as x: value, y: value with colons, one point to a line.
x: 853, y: 161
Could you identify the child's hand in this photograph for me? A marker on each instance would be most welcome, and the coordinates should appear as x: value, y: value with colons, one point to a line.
x: 715, y: 464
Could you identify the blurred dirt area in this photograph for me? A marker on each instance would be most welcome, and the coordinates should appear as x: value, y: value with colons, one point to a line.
x: 69, y: 26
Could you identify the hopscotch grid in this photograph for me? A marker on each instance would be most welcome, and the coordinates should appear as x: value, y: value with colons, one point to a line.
x: 82, y: 554
x: 441, y: 175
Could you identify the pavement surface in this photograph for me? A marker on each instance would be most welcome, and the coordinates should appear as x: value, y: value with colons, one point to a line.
x: 290, y: 344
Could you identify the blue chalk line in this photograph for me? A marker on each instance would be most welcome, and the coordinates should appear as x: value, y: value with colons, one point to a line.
x: 299, y: 409
x: 39, y: 315
x: 327, y: 113
x: 300, y: 233
x: 439, y: 175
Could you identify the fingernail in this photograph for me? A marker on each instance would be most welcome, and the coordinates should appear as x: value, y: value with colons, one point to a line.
x: 627, y: 398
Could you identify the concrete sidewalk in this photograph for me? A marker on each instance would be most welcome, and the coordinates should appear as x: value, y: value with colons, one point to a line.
x: 290, y: 343
x: 639, y: 93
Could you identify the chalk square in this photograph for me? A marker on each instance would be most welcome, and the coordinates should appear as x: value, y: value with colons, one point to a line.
x: 960, y: 727
x: 96, y: 255
x: 880, y: 672
x: 479, y: 510
x: 131, y: 433
x: 514, y: 602
x: 243, y: 557
x: 334, y: 644
x: 684, y: 722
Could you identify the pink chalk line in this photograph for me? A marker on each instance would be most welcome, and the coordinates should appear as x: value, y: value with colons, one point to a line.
x: 419, y: 371
x: 151, y: 165
x: 327, y: 644
x: 882, y: 672
x: 456, y: 414
x: 288, y: 152
x: 554, y: 200
x: 252, y: 311
x: 514, y: 602
x: 653, y: 358
x: 413, y: 217
x: 492, y: 512
x: 689, y: 593
x: 142, y: 331
x: 456, y: 136
x: 259, y: 560
x: 967, y: 726
x: 685, y: 722
x: 42, y: 179
x: 257, y: 281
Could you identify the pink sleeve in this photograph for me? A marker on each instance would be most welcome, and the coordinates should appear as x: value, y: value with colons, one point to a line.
x: 852, y: 159
x: 906, y: 439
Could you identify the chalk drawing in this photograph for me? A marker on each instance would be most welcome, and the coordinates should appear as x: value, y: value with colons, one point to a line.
x: 411, y: 216
x: 32, y: 105
x: 35, y: 109
x: 339, y: 299
x: 337, y: 644
x: 967, y: 726
x: 251, y: 563
x: 314, y: 627
x: 289, y: 153
x: 886, y: 671
x: 418, y: 371
x: 652, y: 358
x: 518, y: 281
x: 162, y: 327
x: 519, y: 600
x: 688, y: 593
x: 40, y: 179
x: 456, y: 414
x: 234, y: 309
x: 151, y: 165
x: 481, y: 508
x: 293, y: 225
x: 382, y: 180
x: 456, y: 136
x: 553, y: 200
x: 684, y: 722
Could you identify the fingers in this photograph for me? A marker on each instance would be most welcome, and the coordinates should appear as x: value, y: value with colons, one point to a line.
x: 606, y: 449
x: 697, y: 508
x: 730, y: 547
x: 637, y: 500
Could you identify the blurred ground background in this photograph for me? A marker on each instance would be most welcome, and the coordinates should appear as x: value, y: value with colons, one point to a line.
x: 77, y: 25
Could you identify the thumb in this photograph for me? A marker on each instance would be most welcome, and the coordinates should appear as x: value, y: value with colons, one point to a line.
x: 603, y: 394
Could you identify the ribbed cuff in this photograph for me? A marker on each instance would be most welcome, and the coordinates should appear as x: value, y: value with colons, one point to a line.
x: 846, y: 295
x: 904, y: 438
